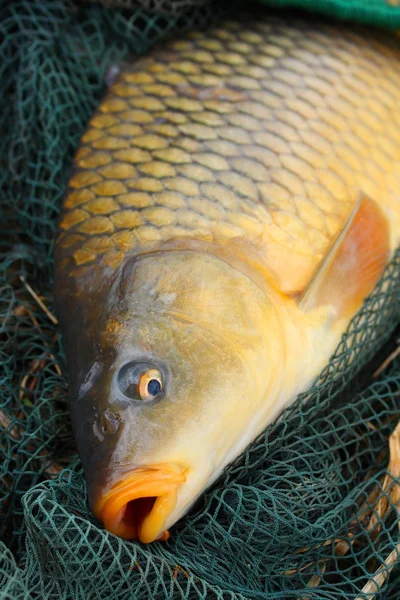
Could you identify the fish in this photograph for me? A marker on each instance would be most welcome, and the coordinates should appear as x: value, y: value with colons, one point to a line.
x: 234, y: 199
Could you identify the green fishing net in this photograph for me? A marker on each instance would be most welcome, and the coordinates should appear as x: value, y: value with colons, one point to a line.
x: 310, y: 510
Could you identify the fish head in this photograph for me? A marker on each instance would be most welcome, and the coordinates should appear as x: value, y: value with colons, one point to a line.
x: 188, y: 357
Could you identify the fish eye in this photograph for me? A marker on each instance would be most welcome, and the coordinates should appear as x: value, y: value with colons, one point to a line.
x: 150, y: 385
x: 141, y: 383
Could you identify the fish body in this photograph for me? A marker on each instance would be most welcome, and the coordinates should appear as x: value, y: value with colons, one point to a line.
x: 233, y: 200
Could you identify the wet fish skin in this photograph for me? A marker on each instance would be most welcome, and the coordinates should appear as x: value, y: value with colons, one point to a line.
x: 207, y: 191
x: 260, y: 134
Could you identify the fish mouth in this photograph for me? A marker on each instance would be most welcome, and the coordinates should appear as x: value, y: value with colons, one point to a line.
x: 137, y: 507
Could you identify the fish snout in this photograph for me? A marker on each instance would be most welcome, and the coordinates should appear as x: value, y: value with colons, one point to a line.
x: 137, y: 507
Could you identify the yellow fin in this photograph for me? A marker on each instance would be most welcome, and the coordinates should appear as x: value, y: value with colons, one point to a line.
x: 354, y: 264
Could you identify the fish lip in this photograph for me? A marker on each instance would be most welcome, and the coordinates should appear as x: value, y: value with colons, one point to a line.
x: 157, y: 483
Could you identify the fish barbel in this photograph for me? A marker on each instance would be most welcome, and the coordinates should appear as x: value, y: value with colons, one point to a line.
x: 233, y: 200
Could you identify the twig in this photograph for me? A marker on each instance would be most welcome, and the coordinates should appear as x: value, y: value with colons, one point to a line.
x: 178, y: 569
x: 316, y: 579
x: 307, y: 548
x: 295, y: 571
x: 375, y: 583
x: 51, y: 468
x: 342, y: 547
x: 23, y: 387
x: 379, y: 503
x: 393, y: 473
x: 387, y: 361
x: 5, y: 423
x: 39, y: 301
x: 371, y: 426
x: 51, y: 356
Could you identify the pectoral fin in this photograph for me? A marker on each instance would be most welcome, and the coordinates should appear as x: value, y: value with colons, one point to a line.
x: 354, y: 264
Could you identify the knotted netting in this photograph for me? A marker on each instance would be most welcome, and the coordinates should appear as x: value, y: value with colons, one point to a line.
x: 310, y: 510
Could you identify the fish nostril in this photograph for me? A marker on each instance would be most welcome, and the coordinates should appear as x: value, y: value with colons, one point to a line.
x: 110, y: 422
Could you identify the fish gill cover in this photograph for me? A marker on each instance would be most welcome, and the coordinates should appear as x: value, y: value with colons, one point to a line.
x: 310, y: 510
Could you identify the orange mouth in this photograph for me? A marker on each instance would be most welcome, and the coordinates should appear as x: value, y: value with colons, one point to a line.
x: 137, y: 507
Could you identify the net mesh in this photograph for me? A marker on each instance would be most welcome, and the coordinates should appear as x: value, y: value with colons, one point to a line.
x: 154, y: 6
x: 308, y: 512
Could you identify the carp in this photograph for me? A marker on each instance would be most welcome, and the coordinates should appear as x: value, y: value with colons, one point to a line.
x: 234, y: 199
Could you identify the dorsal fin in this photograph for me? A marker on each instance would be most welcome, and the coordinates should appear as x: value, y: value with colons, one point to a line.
x: 354, y: 264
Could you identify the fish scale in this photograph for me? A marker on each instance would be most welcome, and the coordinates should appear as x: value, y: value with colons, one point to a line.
x: 259, y: 135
